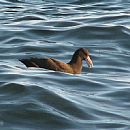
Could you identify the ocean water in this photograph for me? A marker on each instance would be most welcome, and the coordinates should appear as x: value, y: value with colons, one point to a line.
x: 39, y: 99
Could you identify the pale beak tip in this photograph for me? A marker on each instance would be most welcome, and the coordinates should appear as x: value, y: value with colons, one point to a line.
x: 90, y: 66
x: 90, y: 63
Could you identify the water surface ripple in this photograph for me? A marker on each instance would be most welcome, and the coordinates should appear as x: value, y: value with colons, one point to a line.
x: 39, y: 99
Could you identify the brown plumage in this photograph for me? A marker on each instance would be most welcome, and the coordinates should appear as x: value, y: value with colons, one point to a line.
x: 73, y: 67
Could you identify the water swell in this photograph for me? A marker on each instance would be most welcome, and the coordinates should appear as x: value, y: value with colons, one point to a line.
x: 31, y: 108
x: 81, y: 32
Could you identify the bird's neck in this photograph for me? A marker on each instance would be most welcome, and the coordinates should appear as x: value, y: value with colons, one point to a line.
x: 76, y: 63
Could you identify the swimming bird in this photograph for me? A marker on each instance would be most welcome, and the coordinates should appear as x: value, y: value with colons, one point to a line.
x: 73, y: 67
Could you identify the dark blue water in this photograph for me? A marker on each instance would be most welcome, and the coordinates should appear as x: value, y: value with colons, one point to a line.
x: 39, y: 99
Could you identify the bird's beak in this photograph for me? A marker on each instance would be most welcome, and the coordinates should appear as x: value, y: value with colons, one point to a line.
x: 89, y: 62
